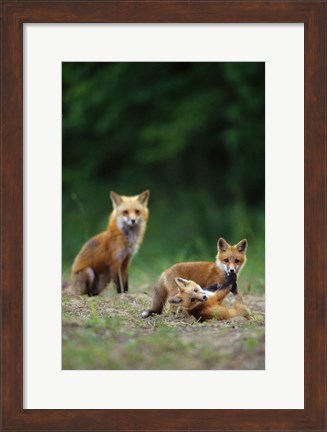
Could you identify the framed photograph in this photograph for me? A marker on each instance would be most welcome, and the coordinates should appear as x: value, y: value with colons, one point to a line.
x: 193, y: 134
x: 150, y: 152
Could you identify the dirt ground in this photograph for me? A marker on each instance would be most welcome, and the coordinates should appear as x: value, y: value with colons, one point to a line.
x: 107, y: 332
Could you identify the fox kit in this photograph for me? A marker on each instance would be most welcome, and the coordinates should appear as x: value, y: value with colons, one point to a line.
x: 106, y: 256
x: 229, y: 259
x: 203, y: 304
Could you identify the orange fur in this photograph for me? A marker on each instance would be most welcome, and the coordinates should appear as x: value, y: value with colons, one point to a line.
x: 202, y: 307
x: 202, y: 272
x: 106, y: 257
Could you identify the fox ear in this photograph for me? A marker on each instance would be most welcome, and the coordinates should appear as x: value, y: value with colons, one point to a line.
x: 143, y: 198
x: 242, y: 246
x: 182, y: 283
x: 222, y: 245
x: 115, y: 198
x: 174, y: 300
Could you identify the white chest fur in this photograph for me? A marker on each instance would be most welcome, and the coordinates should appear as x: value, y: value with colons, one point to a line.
x: 132, y: 234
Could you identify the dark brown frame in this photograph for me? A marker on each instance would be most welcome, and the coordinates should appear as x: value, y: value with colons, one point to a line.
x: 14, y: 14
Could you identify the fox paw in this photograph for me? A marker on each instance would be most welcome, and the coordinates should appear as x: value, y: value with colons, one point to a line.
x: 145, y: 314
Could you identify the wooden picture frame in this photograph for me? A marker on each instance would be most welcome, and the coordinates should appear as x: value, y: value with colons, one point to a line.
x: 14, y: 14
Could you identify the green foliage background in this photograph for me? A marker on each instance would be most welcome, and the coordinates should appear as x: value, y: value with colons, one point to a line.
x: 192, y: 133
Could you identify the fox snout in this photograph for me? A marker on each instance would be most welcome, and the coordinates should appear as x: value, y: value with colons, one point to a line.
x: 131, y: 220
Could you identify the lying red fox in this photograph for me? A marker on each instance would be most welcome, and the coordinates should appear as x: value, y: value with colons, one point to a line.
x: 204, y: 304
x: 229, y: 260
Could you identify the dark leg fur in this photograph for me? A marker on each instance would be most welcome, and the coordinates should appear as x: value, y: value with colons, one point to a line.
x: 124, y: 272
x: 126, y: 285
x: 234, y: 289
x: 230, y: 280
x: 213, y: 287
x: 117, y: 284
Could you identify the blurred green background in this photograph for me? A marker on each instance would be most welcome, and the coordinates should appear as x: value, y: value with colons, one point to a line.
x: 192, y: 133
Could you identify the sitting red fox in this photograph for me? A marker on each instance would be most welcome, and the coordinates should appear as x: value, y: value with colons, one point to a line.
x: 106, y: 256
x: 204, y: 304
x: 229, y: 259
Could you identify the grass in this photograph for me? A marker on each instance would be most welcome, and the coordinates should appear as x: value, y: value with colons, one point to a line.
x: 106, y: 332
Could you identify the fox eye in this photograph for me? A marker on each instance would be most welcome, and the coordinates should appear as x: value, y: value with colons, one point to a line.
x: 125, y: 212
x: 196, y: 290
x: 192, y: 299
x: 237, y: 261
x: 226, y: 260
x: 137, y: 212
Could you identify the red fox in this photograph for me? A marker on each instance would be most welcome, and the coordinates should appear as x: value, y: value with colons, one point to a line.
x: 106, y: 257
x: 230, y: 259
x: 203, y: 304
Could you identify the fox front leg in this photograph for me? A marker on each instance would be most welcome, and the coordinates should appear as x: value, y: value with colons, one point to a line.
x: 124, y: 273
x: 213, y: 287
x: 234, y: 289
x: 126, y: 284
x: 230, y: 280
x: 118, y: 282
